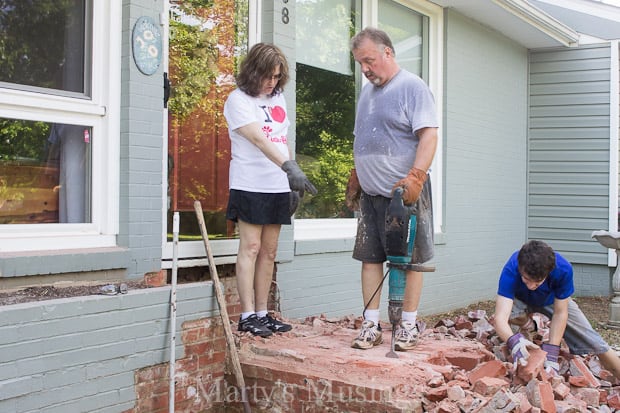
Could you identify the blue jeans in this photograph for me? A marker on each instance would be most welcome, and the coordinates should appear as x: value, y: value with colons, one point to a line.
x: 579, y: 334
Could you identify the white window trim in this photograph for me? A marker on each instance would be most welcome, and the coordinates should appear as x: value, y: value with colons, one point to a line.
x: 312, y: 229
x: 102, y: 113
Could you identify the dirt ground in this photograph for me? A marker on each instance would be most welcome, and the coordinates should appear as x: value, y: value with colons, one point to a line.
x: 596, y: 309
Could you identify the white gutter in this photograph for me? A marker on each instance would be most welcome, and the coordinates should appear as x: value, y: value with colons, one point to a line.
x: 541, y: 21
x: 614, y: 135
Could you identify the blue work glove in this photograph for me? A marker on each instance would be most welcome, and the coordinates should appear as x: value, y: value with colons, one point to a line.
x: 297, y: 180
x: 518, y: 345
x: 551, y: 363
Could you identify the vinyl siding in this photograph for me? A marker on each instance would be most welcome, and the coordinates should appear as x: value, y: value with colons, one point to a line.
x: 568, y: 165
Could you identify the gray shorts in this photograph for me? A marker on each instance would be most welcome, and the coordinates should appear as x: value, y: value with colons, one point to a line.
x: 579, y: 334
x: 370, y: 240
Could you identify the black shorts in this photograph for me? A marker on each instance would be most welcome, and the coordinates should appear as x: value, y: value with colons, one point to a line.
x: 370, y: 240
x: 258, y: 208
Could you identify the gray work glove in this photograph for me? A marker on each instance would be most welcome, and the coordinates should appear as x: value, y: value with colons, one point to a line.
x: 297, y: 179
x: 293, y: 201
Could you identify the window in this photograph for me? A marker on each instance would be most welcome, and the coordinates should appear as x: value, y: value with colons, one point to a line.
x: 327, y: 83
x: 58, y: 124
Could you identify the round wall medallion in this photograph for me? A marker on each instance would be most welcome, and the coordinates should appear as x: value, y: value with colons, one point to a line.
x: 146, y: 40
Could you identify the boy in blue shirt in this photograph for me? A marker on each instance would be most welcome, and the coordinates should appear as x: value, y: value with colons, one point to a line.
x: 538, y: 279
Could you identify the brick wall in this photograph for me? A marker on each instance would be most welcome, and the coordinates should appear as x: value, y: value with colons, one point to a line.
x: 592, y: 280
x: 111, y: 353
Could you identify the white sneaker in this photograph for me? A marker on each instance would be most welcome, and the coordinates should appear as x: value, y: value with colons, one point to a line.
x: 370, y: 335
x: 406, y: 336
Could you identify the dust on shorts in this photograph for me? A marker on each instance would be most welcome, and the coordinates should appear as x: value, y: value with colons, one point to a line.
x: 370, y: 240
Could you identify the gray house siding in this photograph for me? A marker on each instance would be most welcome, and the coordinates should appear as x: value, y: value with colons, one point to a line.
x: 485, y: 157
x: 568, y: 166
x: 484, y: 137
x: 141, y: 152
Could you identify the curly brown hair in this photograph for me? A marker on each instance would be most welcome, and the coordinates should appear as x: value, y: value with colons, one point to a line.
x: 536, y: 259
x: 259, y: 64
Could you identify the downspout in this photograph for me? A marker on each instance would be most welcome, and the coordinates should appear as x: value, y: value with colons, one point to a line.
x: 614, y: 135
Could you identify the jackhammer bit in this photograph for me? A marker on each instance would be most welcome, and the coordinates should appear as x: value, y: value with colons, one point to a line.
x: 400, y: 231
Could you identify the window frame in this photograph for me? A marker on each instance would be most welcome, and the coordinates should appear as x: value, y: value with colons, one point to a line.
x: 312, y: 229
x: 101, y: 112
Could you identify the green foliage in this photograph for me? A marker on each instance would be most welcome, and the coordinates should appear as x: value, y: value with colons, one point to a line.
x: 32, y: 47
x: 329, y: 173
x: 325, y: 120
x: 193, y: 58
x: 22, y: 139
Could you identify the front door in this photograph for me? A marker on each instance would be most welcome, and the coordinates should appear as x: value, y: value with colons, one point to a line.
x: 206, y: 39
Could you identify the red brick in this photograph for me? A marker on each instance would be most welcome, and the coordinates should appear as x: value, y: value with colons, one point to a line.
x: 535, y: 364
x: 540, y: 394
x: 488, y: 386
x: 576, y: 402
x: 561, y: 390
x: 462, y: 323
x: 589, y: 395
x: 524, y: 404
x: 156, y: 278
x: 437, y: 394
x: 578, y: 381
x: 493, y: 368
x: 613, y: 401
x: 447, y: 406
x: 578, y: 368
x: 567, y: 407
x: 466, y: 361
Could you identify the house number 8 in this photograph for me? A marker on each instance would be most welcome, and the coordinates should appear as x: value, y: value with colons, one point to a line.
x: 285, y: 17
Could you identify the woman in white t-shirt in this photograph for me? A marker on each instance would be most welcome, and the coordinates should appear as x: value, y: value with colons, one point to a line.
x: 262, y: 176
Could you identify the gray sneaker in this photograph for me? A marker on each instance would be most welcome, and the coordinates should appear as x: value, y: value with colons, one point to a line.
x: 406, y: 336
x: 370, y: 335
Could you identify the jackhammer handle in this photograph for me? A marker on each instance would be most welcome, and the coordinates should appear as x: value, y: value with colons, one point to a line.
x: 411, y: 267
x: 420, y: 268
x: 398, y: 194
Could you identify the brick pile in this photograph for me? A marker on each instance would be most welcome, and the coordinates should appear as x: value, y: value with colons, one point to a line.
x: 459, y: 366
x: 582, y: 384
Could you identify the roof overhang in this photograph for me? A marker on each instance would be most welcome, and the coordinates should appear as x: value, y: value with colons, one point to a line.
x: 518, y: 20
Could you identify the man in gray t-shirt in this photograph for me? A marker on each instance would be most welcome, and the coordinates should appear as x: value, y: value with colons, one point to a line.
x: 395, y: 142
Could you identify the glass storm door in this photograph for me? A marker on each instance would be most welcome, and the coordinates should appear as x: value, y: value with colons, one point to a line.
x: 206, y: 38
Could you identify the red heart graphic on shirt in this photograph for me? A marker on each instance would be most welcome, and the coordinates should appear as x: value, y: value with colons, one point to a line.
x: 278, y: 114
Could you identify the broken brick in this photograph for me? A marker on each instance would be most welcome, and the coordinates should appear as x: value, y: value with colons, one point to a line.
x: 560, y: 391
x: 487, y: 386
x: 535, y: 364
x: 579, y: 368
x: 492, y: 368
x: 540, y: 394
x: 589, y: 395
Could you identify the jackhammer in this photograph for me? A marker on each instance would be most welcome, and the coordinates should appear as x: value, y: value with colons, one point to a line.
x: 400, y: 231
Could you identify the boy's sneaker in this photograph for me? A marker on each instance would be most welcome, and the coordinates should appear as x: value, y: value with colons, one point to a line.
x: 406, y: 336
x: 254, y: 326
x: 370, y: 335
x: 275, y: 325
